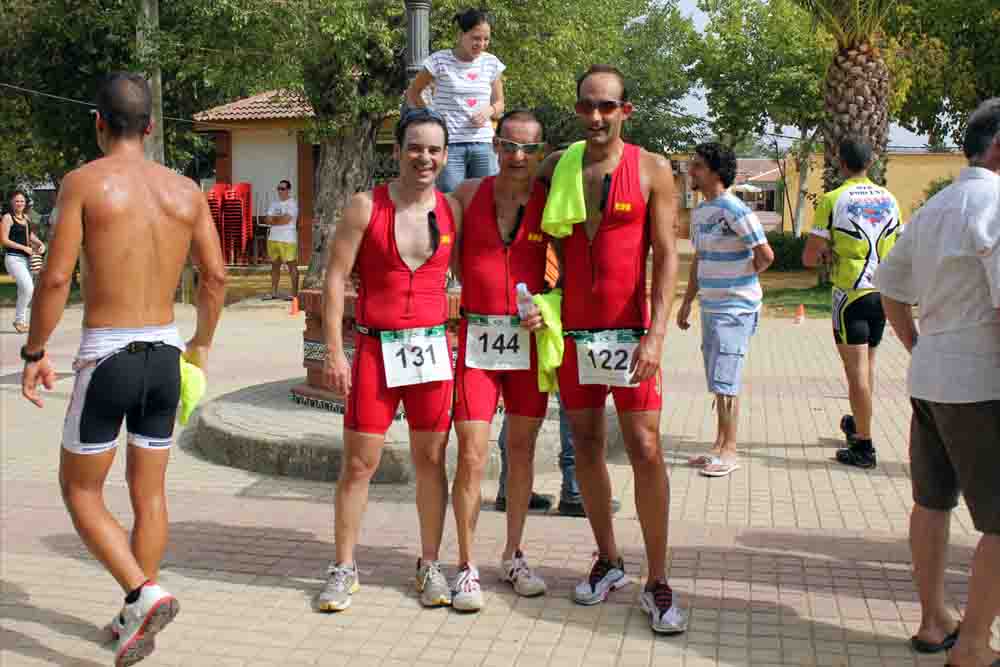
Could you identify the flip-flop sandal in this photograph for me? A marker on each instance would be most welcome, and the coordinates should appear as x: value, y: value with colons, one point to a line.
x: 701, y: 460
x: 928, y: 648
x: 723, y: 468
x: 268, y: 297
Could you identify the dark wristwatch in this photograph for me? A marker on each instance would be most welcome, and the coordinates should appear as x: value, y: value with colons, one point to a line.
x: 31, y: 358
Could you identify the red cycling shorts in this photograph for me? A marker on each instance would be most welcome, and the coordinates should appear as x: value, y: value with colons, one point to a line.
x: 576, y: 396
x: 372, y: 405
x: 477, y: 391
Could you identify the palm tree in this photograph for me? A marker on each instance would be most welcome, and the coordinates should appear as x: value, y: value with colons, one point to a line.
x: 856, y: 90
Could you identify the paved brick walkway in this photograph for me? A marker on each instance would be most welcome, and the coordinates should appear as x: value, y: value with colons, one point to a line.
x: 791, y: 560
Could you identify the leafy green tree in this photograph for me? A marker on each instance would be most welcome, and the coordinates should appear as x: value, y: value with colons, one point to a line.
x: 950, y: 56
x: 762, y: 63
x: 856, y: 90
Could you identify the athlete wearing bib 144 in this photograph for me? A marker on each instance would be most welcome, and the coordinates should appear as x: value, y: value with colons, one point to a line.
x: 856, y: 226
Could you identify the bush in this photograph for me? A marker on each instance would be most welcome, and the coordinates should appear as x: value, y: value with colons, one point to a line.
x: 787, y: 251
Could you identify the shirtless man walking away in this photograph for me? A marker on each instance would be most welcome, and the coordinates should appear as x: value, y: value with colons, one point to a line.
x: 398, y: 238
x: 612, y: 344
x: 501, y: 245
x: 135, y: 222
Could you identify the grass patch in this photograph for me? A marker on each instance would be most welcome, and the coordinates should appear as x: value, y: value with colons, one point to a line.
x: 783, y: 302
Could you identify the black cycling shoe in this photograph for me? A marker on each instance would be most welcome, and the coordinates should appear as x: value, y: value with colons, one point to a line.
x: 537, y: 502
x: 847, y: 426
x: 860, y: 457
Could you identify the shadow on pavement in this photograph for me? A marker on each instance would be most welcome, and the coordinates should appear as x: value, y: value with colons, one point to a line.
x: 17, y: 607
x: 772, y: 580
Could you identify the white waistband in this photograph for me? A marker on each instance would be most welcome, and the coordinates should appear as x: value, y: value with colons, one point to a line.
x: 99, y: 343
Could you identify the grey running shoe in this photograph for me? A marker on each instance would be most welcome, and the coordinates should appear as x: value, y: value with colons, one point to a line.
x: 605, y: 576
x: 665, y: 617
x: 341, y: 583
x: 431, y: 584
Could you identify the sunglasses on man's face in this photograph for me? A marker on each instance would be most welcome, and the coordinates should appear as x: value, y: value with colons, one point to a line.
x: 605, y: 107
x: 508, y: 146
x: 281, y: 188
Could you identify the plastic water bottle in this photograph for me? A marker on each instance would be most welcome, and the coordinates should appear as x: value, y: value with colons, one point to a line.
x: 524, y: 303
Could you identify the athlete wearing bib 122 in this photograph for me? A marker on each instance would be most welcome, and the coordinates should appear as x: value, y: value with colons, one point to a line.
x: 495, y: 353
x: 862, y: 221
x: 413, y: 338
x: 605, y: 311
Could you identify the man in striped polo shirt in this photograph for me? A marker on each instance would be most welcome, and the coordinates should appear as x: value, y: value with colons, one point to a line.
x: 730, y: 250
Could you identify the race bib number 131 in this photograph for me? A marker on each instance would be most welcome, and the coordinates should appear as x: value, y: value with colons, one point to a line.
x: 605, y: 357
x: 415, y: 356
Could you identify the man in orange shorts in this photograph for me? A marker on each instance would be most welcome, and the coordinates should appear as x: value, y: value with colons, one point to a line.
x: 398, y: 238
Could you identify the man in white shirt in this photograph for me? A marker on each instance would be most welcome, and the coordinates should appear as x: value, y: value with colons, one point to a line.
x: 948, y: 262
x: 282, y: 239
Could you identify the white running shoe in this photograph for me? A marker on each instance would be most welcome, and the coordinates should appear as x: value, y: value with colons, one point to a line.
x: 466, y: 593
x: 605, y: 576
x: 517, y: 573
x: 665, y: 617
x: 145, y: 617
x: 117, y: 624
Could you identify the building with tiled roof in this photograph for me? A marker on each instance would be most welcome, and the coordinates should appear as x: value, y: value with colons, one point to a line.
x: 270, y: 105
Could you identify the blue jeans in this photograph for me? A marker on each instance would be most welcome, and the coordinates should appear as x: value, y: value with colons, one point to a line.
x: 567, y: 460
x: 467, y: 160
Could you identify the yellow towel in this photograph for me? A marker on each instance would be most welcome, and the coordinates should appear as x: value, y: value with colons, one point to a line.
x: 549, y: 339
x: 566, y: 205
x: 193, y: 386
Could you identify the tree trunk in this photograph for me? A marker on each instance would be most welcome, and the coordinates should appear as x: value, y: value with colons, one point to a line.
x: 803, y: 162
x: 856, y: 100
x: 346, y: 166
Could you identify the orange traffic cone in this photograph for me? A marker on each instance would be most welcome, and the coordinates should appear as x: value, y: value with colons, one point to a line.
x: 294, y: 308
x: 800, y: 314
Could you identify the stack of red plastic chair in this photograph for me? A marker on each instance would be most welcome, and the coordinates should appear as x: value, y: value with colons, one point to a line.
x: 215, y: 195
x: 232, y: 212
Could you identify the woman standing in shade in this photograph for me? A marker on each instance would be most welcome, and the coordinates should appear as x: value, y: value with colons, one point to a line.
x: 468, y: 92
x: 19, y: 245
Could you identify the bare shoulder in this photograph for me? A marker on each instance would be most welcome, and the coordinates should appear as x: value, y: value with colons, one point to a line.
x: 358, y: 209
x: 465, y: 191
x: 655, y: 164
x: 548, y: 166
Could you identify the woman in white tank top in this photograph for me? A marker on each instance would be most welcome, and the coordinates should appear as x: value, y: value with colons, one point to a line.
x: 468, y: 93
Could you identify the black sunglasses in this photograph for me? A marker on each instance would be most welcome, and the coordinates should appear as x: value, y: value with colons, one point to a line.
x: 420, y: 113
x: 508, y: 146
x: 605, y: 107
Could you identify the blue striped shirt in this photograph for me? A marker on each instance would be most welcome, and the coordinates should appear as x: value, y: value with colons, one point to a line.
x: 724, y: 231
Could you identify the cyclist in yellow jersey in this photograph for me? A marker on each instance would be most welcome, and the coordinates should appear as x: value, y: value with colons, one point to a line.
x: 856, y: 226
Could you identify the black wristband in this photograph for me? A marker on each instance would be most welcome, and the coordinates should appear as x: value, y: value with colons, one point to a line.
x: 31, y: 358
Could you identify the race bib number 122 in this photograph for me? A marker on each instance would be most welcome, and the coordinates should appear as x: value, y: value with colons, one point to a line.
x: 415, y: 356
x: 605, y: 357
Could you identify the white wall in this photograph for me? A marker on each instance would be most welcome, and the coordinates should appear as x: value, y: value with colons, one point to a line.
x: 262, y: 158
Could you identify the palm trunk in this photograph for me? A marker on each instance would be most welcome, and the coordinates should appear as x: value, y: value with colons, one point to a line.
x: 346, y: 166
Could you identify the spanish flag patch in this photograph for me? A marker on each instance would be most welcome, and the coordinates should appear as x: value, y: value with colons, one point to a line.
x: 535, y: 237
x: 623, y: 206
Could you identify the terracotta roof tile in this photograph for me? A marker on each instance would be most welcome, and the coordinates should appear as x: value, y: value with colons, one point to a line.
x: 270, y: 105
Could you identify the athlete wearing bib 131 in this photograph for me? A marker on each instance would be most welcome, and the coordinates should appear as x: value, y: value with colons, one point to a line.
x: 862, y: 221
x: 605, y: 294
x: 491, y: 267
x: 384, y: 278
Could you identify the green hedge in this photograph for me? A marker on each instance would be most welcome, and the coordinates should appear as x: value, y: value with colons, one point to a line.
x: 787, y: 251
